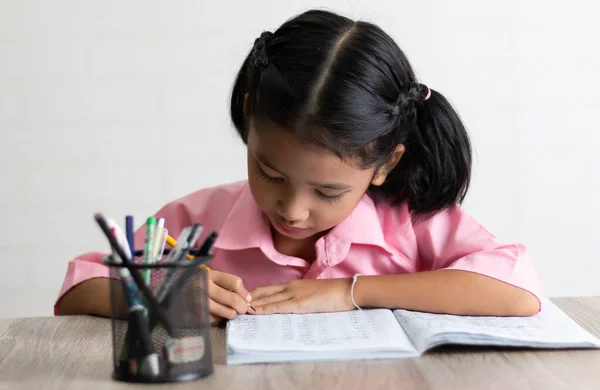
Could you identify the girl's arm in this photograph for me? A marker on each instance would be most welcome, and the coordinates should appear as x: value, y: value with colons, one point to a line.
x: 465, y: 269
x: 445, y: 291
x: 92, y: 297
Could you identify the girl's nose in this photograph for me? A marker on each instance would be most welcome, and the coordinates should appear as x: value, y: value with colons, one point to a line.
x: 292, y: 210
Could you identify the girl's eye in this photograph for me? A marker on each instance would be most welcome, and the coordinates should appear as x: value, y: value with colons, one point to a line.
x: 269, y: 178
x: 329, y: 198
x: 279, y: 180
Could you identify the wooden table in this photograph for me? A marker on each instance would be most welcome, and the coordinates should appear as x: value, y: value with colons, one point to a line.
x: 75, y: 353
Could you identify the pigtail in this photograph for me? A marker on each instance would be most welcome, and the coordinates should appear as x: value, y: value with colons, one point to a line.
x: 435, y: 171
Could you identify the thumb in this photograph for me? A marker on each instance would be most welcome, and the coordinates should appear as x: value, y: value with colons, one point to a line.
x: 232, y: 283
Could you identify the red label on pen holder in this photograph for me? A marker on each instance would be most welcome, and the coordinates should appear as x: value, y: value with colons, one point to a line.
x: 185, y: 350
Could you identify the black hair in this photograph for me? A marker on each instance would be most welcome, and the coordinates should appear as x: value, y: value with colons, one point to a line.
x: 346, y: 85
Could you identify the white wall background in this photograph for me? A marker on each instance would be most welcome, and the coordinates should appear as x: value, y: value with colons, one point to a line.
x: 120, y: 106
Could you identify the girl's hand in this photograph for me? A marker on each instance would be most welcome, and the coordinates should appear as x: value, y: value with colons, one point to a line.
x: 304, y: 296
x: 227, y: 296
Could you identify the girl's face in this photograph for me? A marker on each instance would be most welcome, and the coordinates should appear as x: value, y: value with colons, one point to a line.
x: 304, y: 190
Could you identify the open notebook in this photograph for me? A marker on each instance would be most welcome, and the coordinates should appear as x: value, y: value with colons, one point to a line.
x: 382, y: 333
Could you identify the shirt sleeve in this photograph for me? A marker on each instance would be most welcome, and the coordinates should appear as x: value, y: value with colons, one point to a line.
x: 451, y: 239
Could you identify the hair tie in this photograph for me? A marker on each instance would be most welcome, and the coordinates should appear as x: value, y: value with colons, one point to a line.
x: 259, y: 51
x: 428, y: 94
x: 410, y: 98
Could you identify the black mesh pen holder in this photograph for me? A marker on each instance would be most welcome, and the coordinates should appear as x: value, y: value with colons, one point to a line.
x: 160, y: 321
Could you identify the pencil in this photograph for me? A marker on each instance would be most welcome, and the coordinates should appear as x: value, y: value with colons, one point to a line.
x: 205, y: 247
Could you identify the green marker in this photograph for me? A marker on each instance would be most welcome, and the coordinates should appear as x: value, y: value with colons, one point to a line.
x: 148, y: 245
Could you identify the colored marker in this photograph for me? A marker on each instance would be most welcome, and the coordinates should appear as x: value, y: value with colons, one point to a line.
x: 156, y: 240
x: 208, y: 243
x: 163, y: 240
x: 129, y: 233
x: 148, y: 259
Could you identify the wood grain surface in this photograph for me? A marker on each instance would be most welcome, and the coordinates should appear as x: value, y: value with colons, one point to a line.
x: 75, y: 353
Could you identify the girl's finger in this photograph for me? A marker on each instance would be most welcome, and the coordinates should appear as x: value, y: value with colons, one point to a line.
x: 266, y: 291
x: 280, y: 307
x: 232, y: 283
x: 277, y: 297
x: 218, y: 310
x: 227, y: 298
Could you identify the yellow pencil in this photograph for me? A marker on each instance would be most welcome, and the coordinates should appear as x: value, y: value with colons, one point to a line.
x: 171, y: 242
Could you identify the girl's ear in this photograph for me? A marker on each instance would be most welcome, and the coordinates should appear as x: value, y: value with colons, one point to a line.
x: 382, y: 172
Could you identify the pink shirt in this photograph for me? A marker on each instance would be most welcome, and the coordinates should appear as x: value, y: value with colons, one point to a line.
x: 376, y: 239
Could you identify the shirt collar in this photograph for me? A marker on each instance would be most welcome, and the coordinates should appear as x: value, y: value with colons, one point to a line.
x: 246, y: 227
x: 361, y: 227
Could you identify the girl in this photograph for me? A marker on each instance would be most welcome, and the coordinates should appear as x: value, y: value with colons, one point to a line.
x: 355, y: 174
